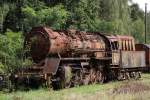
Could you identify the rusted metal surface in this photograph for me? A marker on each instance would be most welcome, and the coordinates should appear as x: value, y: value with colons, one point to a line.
x: 132, y: 59
x: 116, y: 58
x: 119, y: 42
x: 129, y: 59
x: 42, y: 41
x: 146, y: 48
x: 51, y: 65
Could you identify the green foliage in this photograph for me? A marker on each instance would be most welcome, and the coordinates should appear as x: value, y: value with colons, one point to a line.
x: 117, y: 12
x: 13, y: 20
x: 2, y: 67
x: 30, y: 18
x: 138, y: 30
x: 136, y: 12
x: 54, y: 17
x: 3, y: 13
x: 137, y: 24
x: 84, y: 15
x: 10, y: 50
x: 114, y: 16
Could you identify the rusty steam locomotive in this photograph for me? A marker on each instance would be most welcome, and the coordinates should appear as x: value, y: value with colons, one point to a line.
x: 71, y: 58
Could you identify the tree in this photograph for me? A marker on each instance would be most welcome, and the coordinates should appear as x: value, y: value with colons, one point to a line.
x: 11, y: 50
x: 54, y: 17
x: 113, y: 16
x: 148, y: 27
x: 138, y: 30
x: 136, y: 12
x: 137, y: 17
x: 4, y: 9
x: 117, y: 13
x: 84, y: 14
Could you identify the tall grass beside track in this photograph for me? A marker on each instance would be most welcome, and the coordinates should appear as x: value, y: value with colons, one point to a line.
x: 123, y: 90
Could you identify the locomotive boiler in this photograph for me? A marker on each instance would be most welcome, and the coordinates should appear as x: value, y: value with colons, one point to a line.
x: 43, y: 42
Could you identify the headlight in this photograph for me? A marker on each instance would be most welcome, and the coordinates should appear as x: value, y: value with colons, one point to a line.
x: 1, y: 78
x: 16, y: 76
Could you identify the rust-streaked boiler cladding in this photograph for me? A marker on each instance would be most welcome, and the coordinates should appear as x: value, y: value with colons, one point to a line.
x: 43, y: 42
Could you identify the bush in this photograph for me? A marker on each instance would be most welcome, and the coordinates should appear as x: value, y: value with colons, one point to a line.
x: 11, y: 50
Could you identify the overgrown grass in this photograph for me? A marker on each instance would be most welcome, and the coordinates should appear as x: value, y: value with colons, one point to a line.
x: 90, y: 92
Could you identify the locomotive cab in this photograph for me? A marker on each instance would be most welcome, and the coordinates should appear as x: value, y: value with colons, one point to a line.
x: 125, y: 59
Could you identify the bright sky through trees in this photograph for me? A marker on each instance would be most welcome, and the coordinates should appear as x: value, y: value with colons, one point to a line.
x: 142, y: 3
